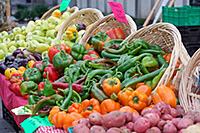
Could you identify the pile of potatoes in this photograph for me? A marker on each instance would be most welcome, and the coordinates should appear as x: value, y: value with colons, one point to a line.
x: 160, y: 118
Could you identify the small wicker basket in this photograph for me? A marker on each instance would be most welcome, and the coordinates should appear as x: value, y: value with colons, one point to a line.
x: 50, y: 11
x: 107, y: 23
x: 86, y: 16
x: 189, y: 90
x: 168, y: 37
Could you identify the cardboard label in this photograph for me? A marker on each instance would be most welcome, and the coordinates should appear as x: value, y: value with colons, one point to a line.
x: 22, y: 110
x: 64, y: 5
x: 32, y: 123
x: 118, y: 11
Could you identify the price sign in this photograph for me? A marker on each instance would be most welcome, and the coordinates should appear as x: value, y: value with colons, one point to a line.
x: 64, y: 5
x: 118, y: 11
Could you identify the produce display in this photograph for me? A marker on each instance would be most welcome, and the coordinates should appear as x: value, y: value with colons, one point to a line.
x: 109, y: 85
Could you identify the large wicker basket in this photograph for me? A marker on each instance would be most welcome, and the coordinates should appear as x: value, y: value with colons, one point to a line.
x: 168, y: 37
x: 86, y: 16
x: 107, y: 23
x: 50, y: 11
x: 189, y: 91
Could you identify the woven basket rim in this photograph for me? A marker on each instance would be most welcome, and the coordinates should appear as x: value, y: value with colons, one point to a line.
x: 100, y: 22
x: 74, y: 16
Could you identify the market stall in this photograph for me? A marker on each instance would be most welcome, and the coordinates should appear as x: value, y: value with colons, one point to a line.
x: 80, y: 71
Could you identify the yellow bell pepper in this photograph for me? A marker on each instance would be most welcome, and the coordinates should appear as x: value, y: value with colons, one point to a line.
x: 72, y: 34
x: 9, y: 72
x: 21, y: 70
x: 30, y: 63
x: 56, y: 13
x: 89, y: 27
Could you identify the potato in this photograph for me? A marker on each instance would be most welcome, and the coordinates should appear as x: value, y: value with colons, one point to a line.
x: 81, y: 128
x: 193, y: 129
x: 95, y: 118
x: 123, y: 127
x: 130, y: 126
x: 126, y: 131
x: 184, y: 123
x: 97, y: 129
x: 180, y: 110
x: 156, y: 111
x: 161, y: 124
x: 85, y: 122
x: 173, y: 112
x: 128, y: 116
x: 181, y: 131
x: 175, y: 121
x: 153, y: 118
x: 197, y: 118
x: 166, y: 117
x: 148, y: 110
x: 114, y: 119
x: 163, y: 107
x: 156, y: 129
x: 169, y: 128
x: 135, y: 117
x: 189, y: 116
x: 114, y: 130
x: 141, y: 124
x: 150, y: 131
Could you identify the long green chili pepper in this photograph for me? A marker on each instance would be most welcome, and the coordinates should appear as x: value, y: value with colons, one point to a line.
x: 130, y: 72
x: 157, y: 78
x: 83, y: 66
x: 143, y: 68
x: 139, y: 71
x: 109, y: 55
x: 161, y: 60
x: 133, y: 82
x: 135, y: 51
x: 95, y: 72
x: 152, y: 51
x: 68, y: 98
x: 122, y: 50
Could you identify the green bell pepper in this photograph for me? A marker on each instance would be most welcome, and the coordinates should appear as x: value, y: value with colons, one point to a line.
x: 141, y: 42
x: 3, y: 35
x: 99, y: 40
x: 48, y: 87
x: 61, y: 60
x: 28, y: 87
x: 30, y: 26
x: 41, y: 48
x: 3, y: 47
x: 32, y: 74
x: 149, y: 61
x: 78, y: 51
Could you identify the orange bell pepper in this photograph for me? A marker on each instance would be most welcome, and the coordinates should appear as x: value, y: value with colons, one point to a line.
x: 128, y: 109
x: 109, y: 105
x: 138, y: 100
x: 146, y: 89
x: 111, y: 85
x: 124, y: 94
x: 74, y: 108
x: 89, y: 106
x: 53, y: 111
x: 58, y: 119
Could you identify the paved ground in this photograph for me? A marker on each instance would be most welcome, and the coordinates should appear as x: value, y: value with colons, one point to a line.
x: 4, y: 125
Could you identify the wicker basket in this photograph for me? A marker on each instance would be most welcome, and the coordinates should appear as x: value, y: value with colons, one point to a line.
x: 168, y: 37
x: 107, y: 23
x: 189, y: 91
x: 86, y: 16
x: 50, y: 11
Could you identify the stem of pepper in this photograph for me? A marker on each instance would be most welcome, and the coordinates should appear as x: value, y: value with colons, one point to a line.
x: 112, y: 82
x: 135, y: 99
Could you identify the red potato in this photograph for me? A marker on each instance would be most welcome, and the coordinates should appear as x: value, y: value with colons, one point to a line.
x: 114, y: 130
x: 95, y: 118
x: 184, y: 123
x: 180, y: 110
x: 175, y: 121
x: 141, y: 125
x: 130, y: 126
x: 123, y: 127
x: 114, y: 119
x: 181, y: 131
x: 97, y: 129
x: 166, y: 117
x: 161, y: 124
x: 81, y: 128
x: 126, y: 131
x: 156, y: 111
x: 129, y: 116
x: 153, y: 118
x: 135, y: 117
x: 85, y: 122
x: 197, y: 118
x: 189, y: 116
x: 148, y: 110
x: 169, y: 128
x: 156, y: 129
x: 163, y: 107
x: 173, y: 112
x: 150, y: 131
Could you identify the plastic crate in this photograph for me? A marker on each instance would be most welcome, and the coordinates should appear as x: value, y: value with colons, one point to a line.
x: 195, y: 3
x: 181, y: 16
x: 7, y: 116
x: 190, y: 38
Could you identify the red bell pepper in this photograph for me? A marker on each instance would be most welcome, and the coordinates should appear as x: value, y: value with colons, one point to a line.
x: 15, y: 87
x: 16, y: 78
x: 116, y: 33
x: 57, y: 48
x: 92, y: 52
x: 37, y: 62
x: 53, y: 73
x: 89, y: 57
